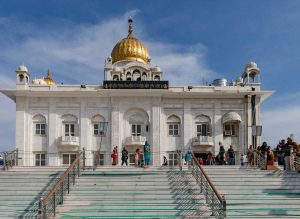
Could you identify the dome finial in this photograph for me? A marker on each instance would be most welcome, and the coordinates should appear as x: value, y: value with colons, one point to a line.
x: 48, y: 72
x: 130, y: 29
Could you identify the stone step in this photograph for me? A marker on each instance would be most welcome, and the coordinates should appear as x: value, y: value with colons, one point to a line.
x: 127, y: 213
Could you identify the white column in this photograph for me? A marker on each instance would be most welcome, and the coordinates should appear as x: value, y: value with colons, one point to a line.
x: 53, y: 134
x: 84, y: 133
x: 218, y: 127
x: 258, y: 122
x: 155, y: 127
x: 187, y: 126
x: 115, y: 126
x: 249, y: 120
x: 24, y: 153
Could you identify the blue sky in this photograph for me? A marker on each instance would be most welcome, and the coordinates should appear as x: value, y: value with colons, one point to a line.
x: 192, y: 41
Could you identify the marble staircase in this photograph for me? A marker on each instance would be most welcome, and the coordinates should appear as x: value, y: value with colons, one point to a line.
x: 128, y: 192
x: 253, y: 193
x: 21, y: 187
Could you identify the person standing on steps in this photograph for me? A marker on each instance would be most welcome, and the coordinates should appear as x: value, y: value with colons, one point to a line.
x: 137, y: 157
x: 188, y: 159
x: 287, y: 154
x: 165, y: 161
x: 147, y: 153
x: 124, y: 156
x: 222, y: 154
x: 250, y: 155
x: 179, y: 159
x: 231, y: 156
x: 114, y: 156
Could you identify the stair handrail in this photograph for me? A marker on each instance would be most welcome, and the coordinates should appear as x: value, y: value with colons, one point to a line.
x: 297, y: 163
x: 10, y: 159
x: 48, y: 204
x: 213, y: 198
x: 260, y: 159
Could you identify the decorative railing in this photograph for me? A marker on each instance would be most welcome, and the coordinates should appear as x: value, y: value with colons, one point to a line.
x: 69, y: 140
x: 297, y: 163
x: 48, y: 204
x: 216, y: 202
x: 10, y: 159
x: 260, y: 160
x: 135, y: 140
x: 202, y: 140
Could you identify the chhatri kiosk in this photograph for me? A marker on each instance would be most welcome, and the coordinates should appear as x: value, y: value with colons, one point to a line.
x: 134, y: 104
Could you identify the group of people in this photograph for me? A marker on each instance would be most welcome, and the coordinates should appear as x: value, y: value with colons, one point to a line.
x: 140, y: 159
x: 287, y: 153
x: 222, y: 157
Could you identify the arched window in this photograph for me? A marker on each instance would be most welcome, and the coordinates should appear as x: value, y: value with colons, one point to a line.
x: 136, y: 122
x: 203, y: 125
x: 39, y: 122
x: 128, y: 76
x: 136, y: 74
x: 156, y: 78
x: 21, y: 77
x: 70, y: 124
x: 144, y: 76
x: 230, y: 122
x: 98, y: 123
x: 173, y: 125
x: 115, y: 77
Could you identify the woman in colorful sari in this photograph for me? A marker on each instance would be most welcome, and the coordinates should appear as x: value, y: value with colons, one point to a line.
x: 115, y: 156
x: 137, y: 157
x: 147, y: 153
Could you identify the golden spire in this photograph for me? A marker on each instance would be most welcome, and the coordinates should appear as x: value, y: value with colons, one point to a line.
x: 48, y: 73
x: 130, y: 48
x: 48, y: 79
x: 130, y: 29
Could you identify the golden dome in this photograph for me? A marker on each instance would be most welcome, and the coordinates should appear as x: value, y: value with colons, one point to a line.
x: 48, y: 80
x: 130, y: 49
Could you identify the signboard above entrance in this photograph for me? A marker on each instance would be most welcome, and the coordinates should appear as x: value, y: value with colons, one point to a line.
x: 135, y: 84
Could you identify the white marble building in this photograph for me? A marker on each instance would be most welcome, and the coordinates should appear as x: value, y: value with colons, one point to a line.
x: 56, y: 121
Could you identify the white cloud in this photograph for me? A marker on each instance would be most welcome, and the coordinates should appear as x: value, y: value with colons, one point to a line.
x: 76, y: 54
x: 282, y: 120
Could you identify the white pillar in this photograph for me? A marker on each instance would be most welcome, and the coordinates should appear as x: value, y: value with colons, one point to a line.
x: 84, y: 133
x: 155, y: 127
x: 24, y: 153
x: 52, y: 150
x: 115, y: 126
x: 187, y: 126
x: 218, y: 127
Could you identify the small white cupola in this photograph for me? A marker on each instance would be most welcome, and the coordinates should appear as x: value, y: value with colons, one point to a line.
x: 22, y: 75
x: 251, y: 74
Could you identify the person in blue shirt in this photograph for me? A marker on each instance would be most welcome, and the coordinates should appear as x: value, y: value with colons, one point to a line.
x: 188, y: 158
x: 1, y: 160
x: 147, y: 153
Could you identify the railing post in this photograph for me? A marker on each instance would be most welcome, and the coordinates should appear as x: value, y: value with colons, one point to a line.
x: 62, y: 192
x: 201, y: 182
x: 83, y: 156
x: 78, y: 168
x: 68, y: 184
x: 5, y: 167
x: 73, y: 175
x: 224, y: 206
x: 17, y: 157
x: 54, y: 203
x: 212, y: 204
x: 41, y: 209
x: 206, y: 191
x: 266, y: 162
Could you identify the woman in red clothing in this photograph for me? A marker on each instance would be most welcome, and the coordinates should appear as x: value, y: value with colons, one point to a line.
x: 114, y: 156
x: 270, y: 157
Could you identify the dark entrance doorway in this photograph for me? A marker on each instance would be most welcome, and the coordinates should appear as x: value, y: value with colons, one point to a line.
x: 202, y: 155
